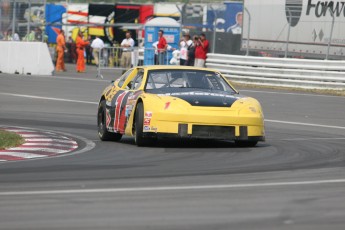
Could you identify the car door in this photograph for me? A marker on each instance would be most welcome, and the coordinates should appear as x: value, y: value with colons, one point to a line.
x: 121, y: 104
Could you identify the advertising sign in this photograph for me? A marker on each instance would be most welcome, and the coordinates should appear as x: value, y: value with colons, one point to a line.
x: 305, y: 24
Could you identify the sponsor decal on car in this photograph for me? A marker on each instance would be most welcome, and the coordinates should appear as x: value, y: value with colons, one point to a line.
x: 108, y: 117
x: 147, y: 121
x: 167, y: 105
x: 148, y: 114
x: 198, y: 94
x: 146, y: 128
x: 129, y: 109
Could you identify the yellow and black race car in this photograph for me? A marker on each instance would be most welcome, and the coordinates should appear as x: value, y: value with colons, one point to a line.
x: 175, y: 101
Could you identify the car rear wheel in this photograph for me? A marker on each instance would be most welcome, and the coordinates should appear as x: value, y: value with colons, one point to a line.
x: 246, y: 143
x: 139, y: 138
x: 103, y: 133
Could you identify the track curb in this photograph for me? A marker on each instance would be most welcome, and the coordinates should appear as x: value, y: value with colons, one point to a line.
x: 38, y: 144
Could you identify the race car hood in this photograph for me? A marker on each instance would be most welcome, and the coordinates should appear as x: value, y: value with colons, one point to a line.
x: 205, y: 98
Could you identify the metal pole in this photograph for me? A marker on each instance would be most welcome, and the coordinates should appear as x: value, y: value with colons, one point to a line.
x: 14, y: 17
x: 44, y: 22
x: 214, y: 30
x: 288, y: 35
x: 29, y: 19
x: 181, y: 17
x: 249, y: 21
x: 99, y: 74
x: 331, y: 34
x: 1, y: 20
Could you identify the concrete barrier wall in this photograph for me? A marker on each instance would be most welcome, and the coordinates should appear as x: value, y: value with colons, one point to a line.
x: 25, y: 58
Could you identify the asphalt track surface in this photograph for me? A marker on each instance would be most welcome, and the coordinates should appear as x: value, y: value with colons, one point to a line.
x: 295, y: 180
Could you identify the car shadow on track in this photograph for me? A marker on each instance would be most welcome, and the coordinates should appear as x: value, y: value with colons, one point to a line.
x: 192, y: 143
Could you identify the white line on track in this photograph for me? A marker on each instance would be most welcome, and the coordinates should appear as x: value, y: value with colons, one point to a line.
x: 32, y: 135
x: 19, y: 130
x: 173, y: 188
x: 304, y: 124
x: 292, y: 94
x: 49, y: 140
x: 23, y: 155
x: 312, y: 139
x: 48, y: 98
x: 49, y: 150
x: 51, y: 144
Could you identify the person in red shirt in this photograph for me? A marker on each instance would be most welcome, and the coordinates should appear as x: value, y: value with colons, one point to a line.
x: 161, y: 47
x: 201, y: 51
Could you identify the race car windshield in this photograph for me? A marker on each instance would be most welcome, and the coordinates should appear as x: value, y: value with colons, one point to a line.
x: 194, y: 79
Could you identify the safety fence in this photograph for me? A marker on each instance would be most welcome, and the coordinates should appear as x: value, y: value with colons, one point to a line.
x: 287, y: 72
x: 119, y: 58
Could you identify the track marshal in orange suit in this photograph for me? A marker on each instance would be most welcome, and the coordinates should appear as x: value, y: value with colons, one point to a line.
x: 80, y: 45
x: 60, y: 50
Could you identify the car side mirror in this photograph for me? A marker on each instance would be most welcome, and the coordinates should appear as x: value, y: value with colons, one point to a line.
x: 115, y: 83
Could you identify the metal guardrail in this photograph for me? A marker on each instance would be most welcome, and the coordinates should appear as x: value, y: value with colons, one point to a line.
x: 298, y: 73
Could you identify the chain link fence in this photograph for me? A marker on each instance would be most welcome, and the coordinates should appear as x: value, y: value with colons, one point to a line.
x: 22, y: 19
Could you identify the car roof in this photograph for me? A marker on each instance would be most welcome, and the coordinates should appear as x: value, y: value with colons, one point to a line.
x: 174, y: 67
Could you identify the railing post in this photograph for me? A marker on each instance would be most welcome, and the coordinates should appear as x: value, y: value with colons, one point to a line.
x: 29, y: 18
x: 14, y: 17
x: 167, y: 57
x: 249, y: 22
x: 288, y: 35
x: 99, y: 74
x: 331, y: 34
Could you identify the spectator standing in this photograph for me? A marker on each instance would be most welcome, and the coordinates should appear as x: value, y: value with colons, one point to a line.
x: 161, y: 47
x: 80, y: 45
x: 184, y: 44
x: 201, y: 50
x: 88, y: 51
x: 38, y: 35
x: 97, y: 45
x: 8, y: 36
x: 127, y: 47
x: 30, y: 37
x: 73, y: 51
x: 154, y: 45
x: 15, y: 37
x: 191, y: 52
x: 60, y: 50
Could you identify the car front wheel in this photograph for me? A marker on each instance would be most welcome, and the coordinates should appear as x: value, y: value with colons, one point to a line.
x: 140, y: 140
x: 103, y: 132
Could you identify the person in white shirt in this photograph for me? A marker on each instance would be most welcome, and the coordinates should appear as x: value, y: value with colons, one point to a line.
x: 154, y: 45
x: 15, y: 37
x: 96, y: 45
x: 184, y: 45
x: 127, y: 47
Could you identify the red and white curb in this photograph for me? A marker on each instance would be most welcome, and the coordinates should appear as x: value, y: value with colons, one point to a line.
x: 38, y: 144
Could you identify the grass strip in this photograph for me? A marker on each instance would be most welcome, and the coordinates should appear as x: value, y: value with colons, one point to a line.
x: 9, y: 139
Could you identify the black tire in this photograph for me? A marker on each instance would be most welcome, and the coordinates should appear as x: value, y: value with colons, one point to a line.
x: 139, y: 138
x: 245, y: 143
x: 103, y: 133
